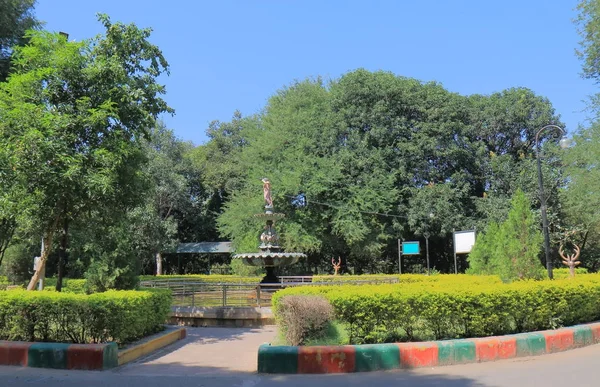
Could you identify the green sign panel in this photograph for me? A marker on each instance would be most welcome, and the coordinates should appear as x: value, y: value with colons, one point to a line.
x: 410, y: 248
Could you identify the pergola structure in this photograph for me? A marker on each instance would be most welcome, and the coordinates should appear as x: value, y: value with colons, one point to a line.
x: 208, y: 248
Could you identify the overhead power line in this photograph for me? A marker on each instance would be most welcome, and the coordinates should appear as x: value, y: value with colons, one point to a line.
x: 343, y: 208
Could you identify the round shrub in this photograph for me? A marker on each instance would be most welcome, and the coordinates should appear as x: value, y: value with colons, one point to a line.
x: 303, y: 317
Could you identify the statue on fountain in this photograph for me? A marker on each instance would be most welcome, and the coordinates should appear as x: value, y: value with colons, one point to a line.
x: 267, y: 193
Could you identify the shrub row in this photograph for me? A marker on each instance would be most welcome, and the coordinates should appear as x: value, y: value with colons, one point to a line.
x: 69, y: 285
x: 120, y: 316
x: 456, y: 307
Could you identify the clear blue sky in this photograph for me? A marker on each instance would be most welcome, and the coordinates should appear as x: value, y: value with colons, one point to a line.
x: 227, y: 55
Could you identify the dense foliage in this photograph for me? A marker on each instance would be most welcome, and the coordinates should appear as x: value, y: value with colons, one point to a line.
x: 370, y: 157
x: 355, y: 163
x: 15, y: 19
x: 120, y: 316
x: 449, y: 306
x: 511, y: 249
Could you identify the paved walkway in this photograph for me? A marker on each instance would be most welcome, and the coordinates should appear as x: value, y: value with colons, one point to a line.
x: 206, y: 351
x: 200, y: 361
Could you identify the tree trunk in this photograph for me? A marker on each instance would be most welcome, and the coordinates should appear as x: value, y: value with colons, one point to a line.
x: 41, y: 269
x: 159, y: 269
x: 585, y: 238
x: 62, y: 255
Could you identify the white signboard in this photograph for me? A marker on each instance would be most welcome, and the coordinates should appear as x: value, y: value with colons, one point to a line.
x: 464, y: 241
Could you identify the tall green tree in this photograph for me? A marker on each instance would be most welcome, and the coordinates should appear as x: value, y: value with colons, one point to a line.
x: 155, y: 222
x: 16, y: 17
x: 588, y: 23
x: 580, y: 196
x: 512, y: 249
x: 351, y: 162
x: 72, y: 116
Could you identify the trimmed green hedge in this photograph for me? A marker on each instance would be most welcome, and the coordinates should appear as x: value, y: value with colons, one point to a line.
x: 120, y: 316
x: 450, y: 306
x: 563, y: 272
x: 70, y: 285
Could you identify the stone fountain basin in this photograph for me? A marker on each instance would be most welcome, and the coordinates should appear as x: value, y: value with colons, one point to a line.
x: 273, y: 259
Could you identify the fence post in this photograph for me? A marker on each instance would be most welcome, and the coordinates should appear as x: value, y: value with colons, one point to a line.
x: 193, y: 293
x: 224, y: 295
x: 258, y: 295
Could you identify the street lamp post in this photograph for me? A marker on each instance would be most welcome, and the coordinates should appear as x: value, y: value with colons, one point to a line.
x: 563, y: 143
x: 426, y: 235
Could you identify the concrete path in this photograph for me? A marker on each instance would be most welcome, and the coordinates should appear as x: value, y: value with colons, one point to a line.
x: 197, y: 362
x: 206, y: 351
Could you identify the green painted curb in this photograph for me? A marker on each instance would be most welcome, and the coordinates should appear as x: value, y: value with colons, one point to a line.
x: 277, y: 359
x: 464, y: 351
x: 110, y: 356
x: 374, y: 357
x: 530, y: 344
x: 47, y: 355
x: 445, y: 352
x: 582, y: 336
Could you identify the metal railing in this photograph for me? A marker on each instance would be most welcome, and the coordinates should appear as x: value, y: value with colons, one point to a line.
x: 197, y: 293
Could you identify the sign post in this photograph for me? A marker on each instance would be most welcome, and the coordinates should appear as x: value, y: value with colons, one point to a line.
x: 399, y: 257
x: 463, y: 244
x: 426, y: 235
x: 407, y: 248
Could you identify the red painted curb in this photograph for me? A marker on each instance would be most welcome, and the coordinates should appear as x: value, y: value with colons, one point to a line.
x: 85, y: 357
x: 595, y: 332
x: 507, y: 348
x: 414, y: 355
x: 560, y: 340
x: 326, y: 360
x: 495, y: 348
x: 338, y: 359
x: 14, y: 353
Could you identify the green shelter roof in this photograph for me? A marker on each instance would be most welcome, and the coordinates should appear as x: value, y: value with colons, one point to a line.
x: 205, y: 247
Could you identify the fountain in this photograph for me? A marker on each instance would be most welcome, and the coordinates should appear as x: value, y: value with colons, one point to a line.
x: 270, y: 254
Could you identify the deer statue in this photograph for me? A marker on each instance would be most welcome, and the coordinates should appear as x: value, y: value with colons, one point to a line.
x: 336, y: 266
x: 570, y: 260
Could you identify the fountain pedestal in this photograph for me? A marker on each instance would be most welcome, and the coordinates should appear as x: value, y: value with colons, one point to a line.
x: 271, y: 255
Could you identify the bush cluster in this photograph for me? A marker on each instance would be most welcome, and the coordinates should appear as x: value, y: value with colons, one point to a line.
x: 3, y: 282
x: 447, y: 307
x: 304, y: 317
x: 120, y: 316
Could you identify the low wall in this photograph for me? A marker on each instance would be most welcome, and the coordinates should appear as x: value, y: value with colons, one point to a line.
x: 375, y: 357
x: 230, y: 317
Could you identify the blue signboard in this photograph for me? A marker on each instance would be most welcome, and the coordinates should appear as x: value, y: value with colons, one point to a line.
x: 410, y: 248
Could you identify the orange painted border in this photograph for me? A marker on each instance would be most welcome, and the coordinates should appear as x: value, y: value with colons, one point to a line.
x: 326, y: 360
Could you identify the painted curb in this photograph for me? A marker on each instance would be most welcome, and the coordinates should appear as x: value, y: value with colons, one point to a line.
x: 130, y: 354
x: 80, y: 356
x: 375, y: 357
x: 59, y: 355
